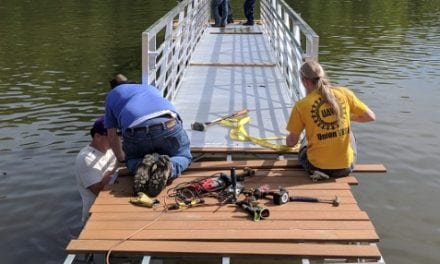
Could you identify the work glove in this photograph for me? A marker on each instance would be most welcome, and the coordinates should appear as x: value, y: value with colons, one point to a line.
x: 144, y: 200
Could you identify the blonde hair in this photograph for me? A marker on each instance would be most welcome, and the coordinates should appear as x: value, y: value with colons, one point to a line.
x: 314, y: 72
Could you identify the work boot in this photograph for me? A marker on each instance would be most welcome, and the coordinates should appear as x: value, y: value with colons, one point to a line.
x: 160, y: 172
x: 248, y: 23
x: 319, y: 175
x: 142, y: 176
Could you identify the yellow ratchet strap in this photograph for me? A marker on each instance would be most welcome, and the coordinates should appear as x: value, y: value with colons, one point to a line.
x: 239, y: 132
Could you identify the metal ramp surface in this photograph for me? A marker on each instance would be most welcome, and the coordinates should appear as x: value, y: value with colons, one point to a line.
x: 232, y: 69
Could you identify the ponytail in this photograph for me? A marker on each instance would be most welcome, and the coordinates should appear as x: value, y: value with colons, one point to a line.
x: 313, y: 71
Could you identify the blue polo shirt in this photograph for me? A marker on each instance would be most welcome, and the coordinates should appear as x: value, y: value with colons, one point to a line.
x: 129, y: 102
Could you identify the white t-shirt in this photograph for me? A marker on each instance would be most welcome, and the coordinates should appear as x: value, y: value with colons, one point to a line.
x: 90, y: 166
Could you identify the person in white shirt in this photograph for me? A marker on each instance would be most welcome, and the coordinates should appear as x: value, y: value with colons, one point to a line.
x: 94, y: 166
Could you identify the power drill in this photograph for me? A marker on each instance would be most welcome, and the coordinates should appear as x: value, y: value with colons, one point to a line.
x: 255, y: 212
x: 279, y: 197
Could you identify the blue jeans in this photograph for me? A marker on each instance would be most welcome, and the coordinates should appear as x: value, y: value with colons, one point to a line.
x: 309, y: 167
x: 173, y: 142
x: 220, y: 18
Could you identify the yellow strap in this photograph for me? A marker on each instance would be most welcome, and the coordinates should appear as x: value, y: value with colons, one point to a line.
x: 239, y: 132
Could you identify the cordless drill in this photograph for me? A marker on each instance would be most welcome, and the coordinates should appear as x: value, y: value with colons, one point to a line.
x: 255, y: 212
x: 279, y: 197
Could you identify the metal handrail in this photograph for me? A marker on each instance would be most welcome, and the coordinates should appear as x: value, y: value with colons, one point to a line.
x: 293, y: 41
x: 167, y: 45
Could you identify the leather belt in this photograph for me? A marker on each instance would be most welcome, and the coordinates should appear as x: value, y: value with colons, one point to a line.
x: 167, y: 124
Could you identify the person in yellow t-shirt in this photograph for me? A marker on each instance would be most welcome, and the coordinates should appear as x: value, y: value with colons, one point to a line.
x: 328, y: 148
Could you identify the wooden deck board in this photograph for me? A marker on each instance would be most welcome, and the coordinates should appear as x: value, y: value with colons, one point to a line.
x: 293, y: 206
x: 279, y: 176
x: 271, y: 164
x: 111, y: 200
x: 232, y: 224
x: 215, y: 234
x: 293, y: 226
x: 289, y: 183
x: 226, y: 248
x: 188, y: 215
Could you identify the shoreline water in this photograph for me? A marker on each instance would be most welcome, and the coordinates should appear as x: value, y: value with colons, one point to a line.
x: 53, y: 80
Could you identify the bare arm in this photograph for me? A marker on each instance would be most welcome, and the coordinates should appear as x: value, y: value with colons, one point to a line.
x: 292, y: 139
x: 367, y: 116
x: 115, y: 143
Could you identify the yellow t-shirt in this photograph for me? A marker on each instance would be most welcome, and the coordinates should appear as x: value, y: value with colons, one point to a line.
x: 328, y: 143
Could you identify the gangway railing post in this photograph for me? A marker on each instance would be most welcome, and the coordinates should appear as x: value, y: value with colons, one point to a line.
x: 314, y: 47
x: 145, y: 59
x: 291, y: 39
x: 149, y: 55
x: 167, y: 47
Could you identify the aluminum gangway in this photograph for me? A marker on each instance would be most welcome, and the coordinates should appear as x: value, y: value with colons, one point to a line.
x: 211, y: 72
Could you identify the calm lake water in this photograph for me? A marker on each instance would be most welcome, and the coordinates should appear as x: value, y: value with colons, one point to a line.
x: 56, y: 58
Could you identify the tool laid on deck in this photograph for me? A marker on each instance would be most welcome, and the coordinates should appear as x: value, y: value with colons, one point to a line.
x: 202, y: 126
x: 186, y: 204
x: 230, y: 195
x: 335, y: 201
x: 144, y: 200
x: 251, y: 207
x: 279, y: 197
x: 226, y: 188
x: 282, y: 196
x: 247, y: 171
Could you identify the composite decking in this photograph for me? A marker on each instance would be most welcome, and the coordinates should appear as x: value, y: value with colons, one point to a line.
x: 293, y: 230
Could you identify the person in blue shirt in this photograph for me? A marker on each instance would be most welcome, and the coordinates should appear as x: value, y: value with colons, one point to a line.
x: 154, y: 144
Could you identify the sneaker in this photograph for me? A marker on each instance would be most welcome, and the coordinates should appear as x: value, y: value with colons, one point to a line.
x: 319, y: 175
x: 142, y: 176
x: 160, y: 171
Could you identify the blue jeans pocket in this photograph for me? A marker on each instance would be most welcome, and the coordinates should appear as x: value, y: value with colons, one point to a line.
x: 177, y: 140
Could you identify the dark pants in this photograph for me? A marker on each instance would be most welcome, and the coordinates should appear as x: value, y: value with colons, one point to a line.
x: 220, y: 12
x: 229, y: 18
x: 249, y: 6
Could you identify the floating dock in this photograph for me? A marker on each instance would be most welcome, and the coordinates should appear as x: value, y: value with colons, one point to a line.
x: 208, y: 73
x: 295, y: 231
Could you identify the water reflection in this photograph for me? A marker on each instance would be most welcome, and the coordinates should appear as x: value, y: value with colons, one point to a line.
x: 391, y: 57
x: 58, y: 56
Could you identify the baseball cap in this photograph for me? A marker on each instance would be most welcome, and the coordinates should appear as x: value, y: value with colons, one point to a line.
x: 98, y: 127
